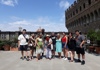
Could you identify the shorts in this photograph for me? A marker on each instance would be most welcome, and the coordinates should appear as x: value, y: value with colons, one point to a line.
x: 32, y: 48
x: 80, y: 50
x: 71, y: 48
x: 63, y: 44
x: 23, y: 47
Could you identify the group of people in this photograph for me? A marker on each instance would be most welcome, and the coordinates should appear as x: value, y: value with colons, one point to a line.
x: 50, y: 44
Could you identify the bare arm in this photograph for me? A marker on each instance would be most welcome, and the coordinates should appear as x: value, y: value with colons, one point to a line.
x: 82, y: 43
x: 18, y: 43
x: 50, y: 43
x: 66, y: 41
x: 36, y: 43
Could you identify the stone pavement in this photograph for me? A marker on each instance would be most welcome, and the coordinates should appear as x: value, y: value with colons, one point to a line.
x: 11, y: 61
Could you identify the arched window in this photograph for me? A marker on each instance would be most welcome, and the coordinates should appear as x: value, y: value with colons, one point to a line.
x: 96, y: 15
x: 79, y: 21
x: 80, y: 8
x: 76, y: 22
x: 84, y: 21
x: 99, y: 13
x: 91, y: 17
x: 88, y: 18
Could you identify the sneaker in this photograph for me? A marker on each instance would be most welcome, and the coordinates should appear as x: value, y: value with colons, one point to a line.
x: 83, y: 62
x: 22, y: 58
x: 65, y: 59
x: 78, y: 60
x: 27, y: 59
x: 53, y: 56
x: 32, y: 57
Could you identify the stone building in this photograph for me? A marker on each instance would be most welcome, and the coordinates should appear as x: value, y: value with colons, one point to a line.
x: 83, y: 15
x: 11, y: 35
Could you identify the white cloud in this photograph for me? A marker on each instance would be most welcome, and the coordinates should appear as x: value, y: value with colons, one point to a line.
x: 64, y: 4
x: 34, y: 24
x: 23, y: 22
x: 9, y: 2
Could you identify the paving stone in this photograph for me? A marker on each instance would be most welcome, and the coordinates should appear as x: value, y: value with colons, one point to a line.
x: 10, y: 60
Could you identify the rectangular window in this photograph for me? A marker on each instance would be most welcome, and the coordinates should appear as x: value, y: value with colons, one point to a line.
x: 84, y: 5
x: 89, y: 2
x: 2, y: 37
x: 73, y: 13
x: 80, y: 8
x: 76, y: 10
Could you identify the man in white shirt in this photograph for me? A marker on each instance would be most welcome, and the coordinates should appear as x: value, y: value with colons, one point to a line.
x: 23, y: 43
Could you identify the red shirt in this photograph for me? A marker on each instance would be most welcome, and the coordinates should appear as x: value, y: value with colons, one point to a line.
x: 64, y: 39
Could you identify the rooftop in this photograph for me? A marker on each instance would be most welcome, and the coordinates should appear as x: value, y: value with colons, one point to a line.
x: 11, y: 61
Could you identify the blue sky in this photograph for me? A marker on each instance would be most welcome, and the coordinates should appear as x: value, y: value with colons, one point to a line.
x: 32, y: 14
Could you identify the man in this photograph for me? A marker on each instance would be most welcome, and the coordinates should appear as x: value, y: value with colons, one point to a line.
x: 53, y: 37
x: 23, y: 44
x: 80, y: 46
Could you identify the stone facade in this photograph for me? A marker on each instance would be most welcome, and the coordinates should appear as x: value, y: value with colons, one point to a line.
x: 11, y: 35
x: 83, y: 15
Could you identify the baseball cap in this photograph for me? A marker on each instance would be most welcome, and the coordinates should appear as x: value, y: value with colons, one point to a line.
x: 24, y: 29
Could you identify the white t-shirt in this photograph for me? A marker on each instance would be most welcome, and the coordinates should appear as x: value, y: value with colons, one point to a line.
x: 50, y: 40
x: 22, y: 39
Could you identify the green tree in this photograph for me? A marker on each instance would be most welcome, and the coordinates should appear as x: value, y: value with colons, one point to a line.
x: 92, y: 35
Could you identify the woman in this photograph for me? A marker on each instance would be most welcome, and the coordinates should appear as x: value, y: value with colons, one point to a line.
x: 48, y: 46
x: 53, y: 37
x: 71, y: 46
x: 39, y: 45
x: 58, y: 45
x: 31, y: 44
x: 65, y: 46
